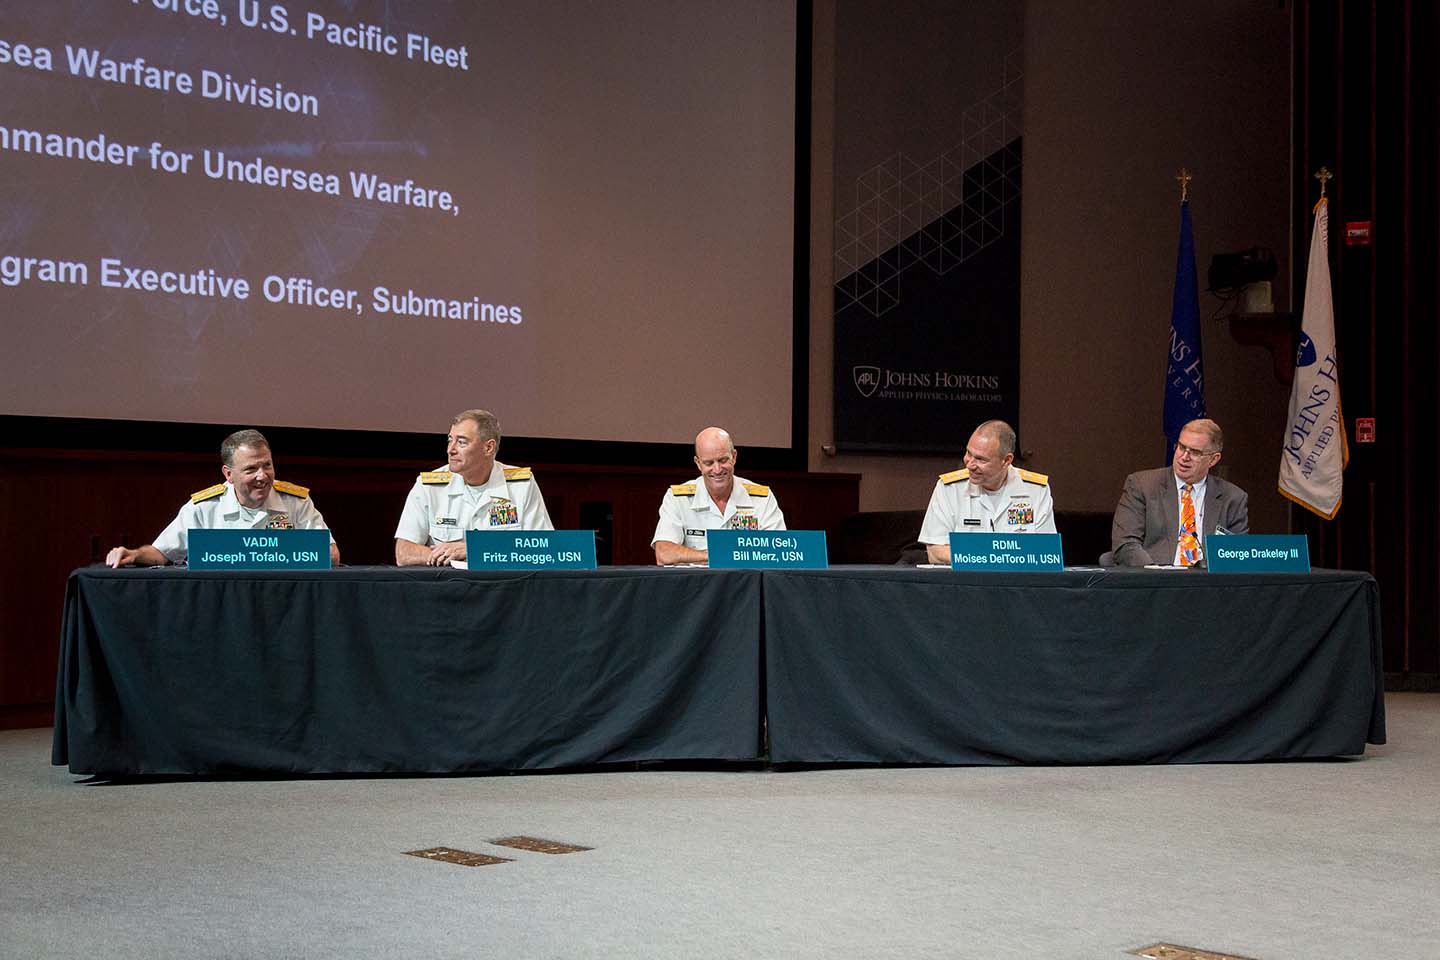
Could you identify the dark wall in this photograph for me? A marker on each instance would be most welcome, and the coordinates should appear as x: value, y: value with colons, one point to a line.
x: 1117, y: 98
x: 64, y: 508
x: 1366, y: 108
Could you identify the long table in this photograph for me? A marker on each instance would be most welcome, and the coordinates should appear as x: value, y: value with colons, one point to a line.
x: 417, y: 670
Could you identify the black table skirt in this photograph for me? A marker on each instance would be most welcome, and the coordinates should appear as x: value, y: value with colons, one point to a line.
x: 926, y: 666
x: 416, y: 670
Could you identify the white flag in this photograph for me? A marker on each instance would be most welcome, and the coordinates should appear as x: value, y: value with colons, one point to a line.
x: 1315, y: 449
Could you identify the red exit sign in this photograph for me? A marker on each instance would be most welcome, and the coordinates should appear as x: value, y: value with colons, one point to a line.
x: 1357, y: 233
x: 1364, y: 429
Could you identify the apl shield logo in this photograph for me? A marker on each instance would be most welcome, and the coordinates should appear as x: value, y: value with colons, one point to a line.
x: 867, y: 380
x: 1305, y: 352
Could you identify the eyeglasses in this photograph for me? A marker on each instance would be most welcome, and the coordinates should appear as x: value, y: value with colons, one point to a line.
x: 1180, y: 448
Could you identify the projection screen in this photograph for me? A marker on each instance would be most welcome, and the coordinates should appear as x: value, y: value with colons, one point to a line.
x: 369, y: 215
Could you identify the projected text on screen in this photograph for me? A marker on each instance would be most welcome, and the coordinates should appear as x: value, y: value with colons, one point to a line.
x: 489, y: 199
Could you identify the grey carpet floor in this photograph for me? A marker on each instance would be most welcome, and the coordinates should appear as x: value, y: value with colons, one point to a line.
x: 1335, y: 859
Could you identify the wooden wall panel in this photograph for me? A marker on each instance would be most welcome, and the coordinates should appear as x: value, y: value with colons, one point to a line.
x: 1365, y: 102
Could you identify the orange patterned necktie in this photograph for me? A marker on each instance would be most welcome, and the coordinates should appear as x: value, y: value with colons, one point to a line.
x: 1189, y: 543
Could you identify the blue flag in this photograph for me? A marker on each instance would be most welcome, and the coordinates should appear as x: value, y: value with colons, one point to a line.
x: 1184, y: 371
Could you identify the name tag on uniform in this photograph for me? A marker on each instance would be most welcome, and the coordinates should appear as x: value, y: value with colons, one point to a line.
x: 259, y: 549
x: 1006, y: 551
x: 1257, y: 553
x: 530, y: 549
x: 767, y: 549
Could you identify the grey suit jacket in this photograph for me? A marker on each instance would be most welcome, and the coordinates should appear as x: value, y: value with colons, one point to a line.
x: 1147, y: 518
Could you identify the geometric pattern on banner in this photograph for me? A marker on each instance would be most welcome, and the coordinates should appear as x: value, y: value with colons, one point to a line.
x: 939, y: 213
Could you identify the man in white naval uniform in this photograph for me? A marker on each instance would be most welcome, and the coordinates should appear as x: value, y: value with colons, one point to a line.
x: 250, y: 498
x: 477, y: 492
x: 715, y: 500
x: 989, y: 496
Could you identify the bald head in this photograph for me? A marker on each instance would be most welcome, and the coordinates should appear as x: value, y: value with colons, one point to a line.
x: 712, y: 438
x: 1003, y: 433
x: 989, y: 454
x: 715, y: 455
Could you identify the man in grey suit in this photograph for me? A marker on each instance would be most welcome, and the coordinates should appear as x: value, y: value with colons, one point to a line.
x: 1150, y: 523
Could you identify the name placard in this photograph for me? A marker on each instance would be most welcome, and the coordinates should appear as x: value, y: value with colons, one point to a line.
x: 530, y: 549
x: 767, y: 549
x: 1258, y: 553
x: 261, y: 549
x: 1006, y: 551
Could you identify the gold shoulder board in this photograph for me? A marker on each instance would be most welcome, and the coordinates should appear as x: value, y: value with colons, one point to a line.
x: 436, y: 476
x: 757, y: 489
x: 683, y: 489
x: 517, y: 473
x: 209, y: 493
x: 1030, y: 477
x: 954, y: 476
x: 294, y: 489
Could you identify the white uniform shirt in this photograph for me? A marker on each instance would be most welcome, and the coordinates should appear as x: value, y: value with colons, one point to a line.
x: 687, y: 511
x: 958, y: 505
x: 1197, y: 493
x: 442, y: 506
x: 215, y: 508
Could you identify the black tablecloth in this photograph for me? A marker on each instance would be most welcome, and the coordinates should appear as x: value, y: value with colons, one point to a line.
x: 379, y: 669
x: 417, y: 670
x: 933, y: 666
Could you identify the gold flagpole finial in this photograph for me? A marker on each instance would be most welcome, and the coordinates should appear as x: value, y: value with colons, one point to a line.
x: 1323, y: 175
x: 1183, y: 178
